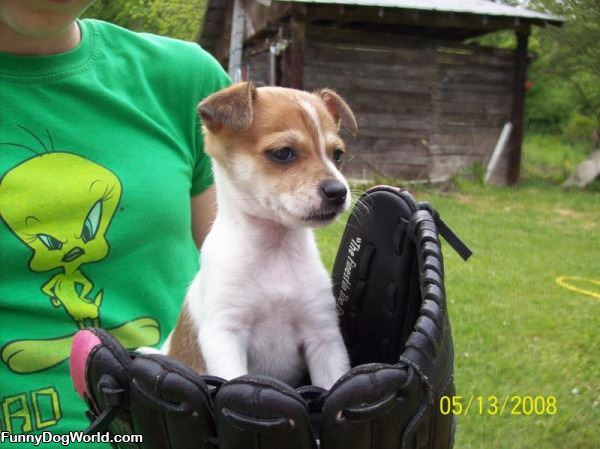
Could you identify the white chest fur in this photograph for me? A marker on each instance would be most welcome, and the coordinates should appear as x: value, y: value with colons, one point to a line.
x: 265, y: 286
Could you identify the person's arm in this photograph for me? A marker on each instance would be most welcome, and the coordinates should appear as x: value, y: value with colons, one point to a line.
x: 204, y: 209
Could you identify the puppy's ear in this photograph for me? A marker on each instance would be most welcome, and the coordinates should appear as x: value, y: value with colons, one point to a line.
x: 339, y: 109
x: 230, y: 108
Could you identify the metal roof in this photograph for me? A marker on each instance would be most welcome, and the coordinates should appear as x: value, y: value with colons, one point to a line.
x: 479, y: 7
x: 214, y: 18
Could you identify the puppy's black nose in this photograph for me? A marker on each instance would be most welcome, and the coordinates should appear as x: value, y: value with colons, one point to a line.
x: 333, y: 192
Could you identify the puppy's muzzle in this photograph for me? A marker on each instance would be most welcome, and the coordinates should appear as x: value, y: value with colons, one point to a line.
x: 333, y: 193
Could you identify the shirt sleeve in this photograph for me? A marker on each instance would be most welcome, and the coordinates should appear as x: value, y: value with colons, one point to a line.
x: 216, y: 79
x: 202, y: 177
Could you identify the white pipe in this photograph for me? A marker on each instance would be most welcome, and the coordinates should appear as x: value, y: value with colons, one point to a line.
x: 498, y: 150
x: 236, y: 44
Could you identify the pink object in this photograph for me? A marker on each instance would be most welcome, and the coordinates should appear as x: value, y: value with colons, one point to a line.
x: 83, y: 343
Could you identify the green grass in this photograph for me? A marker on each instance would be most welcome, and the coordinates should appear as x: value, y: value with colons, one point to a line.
x: 549, y: 157
x: 516, y: 332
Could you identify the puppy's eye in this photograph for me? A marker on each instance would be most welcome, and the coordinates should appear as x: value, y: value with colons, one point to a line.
x: 338, y: 156
x: 283, y: 155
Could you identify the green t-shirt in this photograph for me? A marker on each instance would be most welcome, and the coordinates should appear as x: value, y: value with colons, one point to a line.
x: 100, y: 153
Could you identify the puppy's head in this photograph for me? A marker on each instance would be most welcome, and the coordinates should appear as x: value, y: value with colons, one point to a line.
x: 280, y: 150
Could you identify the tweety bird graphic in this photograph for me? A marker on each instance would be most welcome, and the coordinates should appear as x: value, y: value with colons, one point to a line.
x: 63, y: 216
x: 61, y: 206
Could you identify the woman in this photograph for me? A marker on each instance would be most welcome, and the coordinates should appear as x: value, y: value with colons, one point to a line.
x: 104, y: 189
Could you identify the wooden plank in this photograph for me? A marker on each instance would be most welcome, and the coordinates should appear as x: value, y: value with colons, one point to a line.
x: 258, y: 45
x: 212, y: 28
x: 454, y: 161
x: 400, y: 110
x: 366, y: 81
x: 404, y: 101
x: 456, y: 107
x: 405, y: 132
x: 475, y: 61
x: 292, y: 61
x: 497, y: 98
x: 446, y: 166
x: 471, y: 121
x: 481, y: 70
x: 397, y: 159
x: 474, y: 110
x: 386, y: 120
x: 464, y: 138
x: 258, y: 67
x: 389, y: 143
x: 221, y: 51
x: 389, y: 150
x: 470, y: 50
x: 348, y: 35
x: 480, y: 148
x: 386, y: 145
x: 347, y: 80
x: 477, y: 77
x: 458, y: 88
x: 399, y: 136
x: 445, y: 129
x: 502, y: 78
x: 361, y: 53
x: 368, y: 170
x: 467, y: 51
x: 372, y: 169
x: 372, y: 69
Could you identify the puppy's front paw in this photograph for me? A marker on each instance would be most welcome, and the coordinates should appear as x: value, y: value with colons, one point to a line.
x: 327, y: 379
x: 223, y: 351
x: 329, y: 365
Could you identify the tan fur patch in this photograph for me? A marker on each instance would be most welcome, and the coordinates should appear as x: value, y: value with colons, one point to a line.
x: 273, y: 129
x: 184, y: 343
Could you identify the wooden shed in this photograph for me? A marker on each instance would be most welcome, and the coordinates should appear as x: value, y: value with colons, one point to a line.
x: 427, y: 104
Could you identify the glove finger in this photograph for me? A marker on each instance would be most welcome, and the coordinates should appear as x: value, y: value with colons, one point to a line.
x: 170, y: 405
x: 429, y: 346
x: 373, y: 407
x: 262, y: 413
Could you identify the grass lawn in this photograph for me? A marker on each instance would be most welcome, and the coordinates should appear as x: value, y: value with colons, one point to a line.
x: 516, y: 332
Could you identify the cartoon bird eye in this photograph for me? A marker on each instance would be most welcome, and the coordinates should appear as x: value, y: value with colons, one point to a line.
x: 90, y: 225
x: 50, y: 242
x: 338, y: 156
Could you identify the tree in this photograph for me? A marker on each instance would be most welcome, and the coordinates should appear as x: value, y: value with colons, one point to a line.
x: 572, y: 53
x: 175, y: 18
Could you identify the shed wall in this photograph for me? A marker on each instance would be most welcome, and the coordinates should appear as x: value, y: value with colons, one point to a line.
x: 389, y: 88
x: 257, y: 66
x: 426, y: 108
x: 473, y: 101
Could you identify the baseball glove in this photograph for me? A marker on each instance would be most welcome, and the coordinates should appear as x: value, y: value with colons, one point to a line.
x: 388, y: 282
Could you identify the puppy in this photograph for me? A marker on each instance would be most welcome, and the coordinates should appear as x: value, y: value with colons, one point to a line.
x: 262, y: 301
